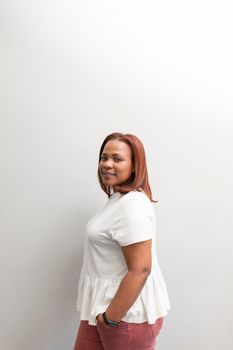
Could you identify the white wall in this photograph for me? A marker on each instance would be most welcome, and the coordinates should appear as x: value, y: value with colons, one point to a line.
x: 71, y: 73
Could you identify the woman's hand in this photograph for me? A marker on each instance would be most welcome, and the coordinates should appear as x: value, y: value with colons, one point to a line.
x: 100, y: 321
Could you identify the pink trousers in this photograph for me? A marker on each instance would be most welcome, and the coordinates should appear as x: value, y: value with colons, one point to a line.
x: 128, y: 336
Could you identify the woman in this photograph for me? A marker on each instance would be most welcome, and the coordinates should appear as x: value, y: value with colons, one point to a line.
x: 122, y: 296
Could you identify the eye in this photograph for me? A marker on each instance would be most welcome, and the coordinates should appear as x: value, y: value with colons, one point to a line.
x: 116, y: 159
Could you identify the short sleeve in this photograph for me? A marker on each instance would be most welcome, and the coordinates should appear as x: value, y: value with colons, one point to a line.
x: 134, y: 222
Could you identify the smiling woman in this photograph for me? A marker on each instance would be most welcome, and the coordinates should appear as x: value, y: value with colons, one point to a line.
x: 123, y: 156
x: 116, y: 163
x: 122, y: 296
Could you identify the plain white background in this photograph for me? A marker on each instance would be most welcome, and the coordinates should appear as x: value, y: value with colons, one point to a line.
x: 71, y: 73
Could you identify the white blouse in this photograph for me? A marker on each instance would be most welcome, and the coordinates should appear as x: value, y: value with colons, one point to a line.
x: 125, y: 219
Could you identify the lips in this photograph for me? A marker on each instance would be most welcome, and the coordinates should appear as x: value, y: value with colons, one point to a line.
x: 107, y: 173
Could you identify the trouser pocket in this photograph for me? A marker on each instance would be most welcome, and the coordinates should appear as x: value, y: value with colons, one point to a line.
x: 156, y: 327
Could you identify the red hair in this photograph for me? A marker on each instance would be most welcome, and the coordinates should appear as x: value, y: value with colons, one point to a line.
x: 139, y: 179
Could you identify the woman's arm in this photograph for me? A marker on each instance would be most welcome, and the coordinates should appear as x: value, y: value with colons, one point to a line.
x: 138, y: 259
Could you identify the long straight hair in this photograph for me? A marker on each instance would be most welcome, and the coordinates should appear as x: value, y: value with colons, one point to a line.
x: 139, y: 178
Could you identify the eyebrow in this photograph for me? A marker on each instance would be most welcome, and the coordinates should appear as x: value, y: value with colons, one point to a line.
x: 114, y: 154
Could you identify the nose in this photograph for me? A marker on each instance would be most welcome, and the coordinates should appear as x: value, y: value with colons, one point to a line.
x: 107, y: 164
x: 107, y: 167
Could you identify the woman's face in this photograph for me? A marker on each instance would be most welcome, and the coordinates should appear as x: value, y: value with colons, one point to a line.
x: 116, y: 165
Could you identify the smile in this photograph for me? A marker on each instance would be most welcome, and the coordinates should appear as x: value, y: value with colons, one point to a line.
x: 107, y: 174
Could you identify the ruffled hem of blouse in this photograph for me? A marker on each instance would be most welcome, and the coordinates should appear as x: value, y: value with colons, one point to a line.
x: 96, y: 293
